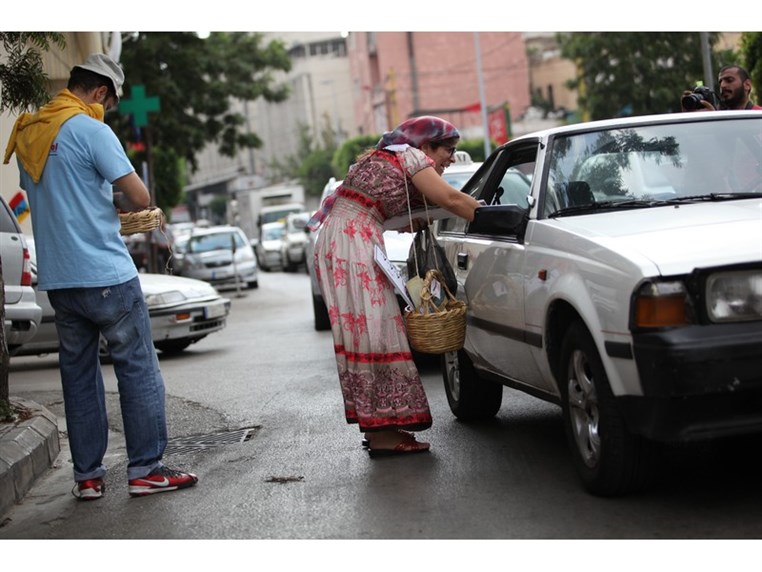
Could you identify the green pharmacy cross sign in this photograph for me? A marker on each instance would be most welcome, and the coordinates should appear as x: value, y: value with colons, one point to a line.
x: 139, y: 105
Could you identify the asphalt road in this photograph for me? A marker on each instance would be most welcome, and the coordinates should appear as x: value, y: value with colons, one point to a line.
x: 255, y: 411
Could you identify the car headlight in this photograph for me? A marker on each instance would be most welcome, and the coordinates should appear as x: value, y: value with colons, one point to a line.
x: 734, y: 296
x: 661, y: 305
x: 163, y: 298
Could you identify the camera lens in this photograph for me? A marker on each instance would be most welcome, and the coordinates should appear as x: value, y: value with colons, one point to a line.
x: 692, y: 102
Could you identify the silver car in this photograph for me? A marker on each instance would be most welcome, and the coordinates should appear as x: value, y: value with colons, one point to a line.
x: 269, y: 247
x: 22, y: 312
x: 294, y: 246
x: 220, y: 255
x: 183, y: 311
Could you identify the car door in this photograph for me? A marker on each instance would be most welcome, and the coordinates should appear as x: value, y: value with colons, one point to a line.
x: 490, y: 268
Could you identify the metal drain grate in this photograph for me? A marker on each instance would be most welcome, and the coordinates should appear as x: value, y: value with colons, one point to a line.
x: 192, y: 443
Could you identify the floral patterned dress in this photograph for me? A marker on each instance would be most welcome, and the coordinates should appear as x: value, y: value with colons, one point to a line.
x: 380, y: 384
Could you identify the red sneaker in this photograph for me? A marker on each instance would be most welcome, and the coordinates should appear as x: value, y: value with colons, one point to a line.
x: 91, y: 489
x: 161, y: 479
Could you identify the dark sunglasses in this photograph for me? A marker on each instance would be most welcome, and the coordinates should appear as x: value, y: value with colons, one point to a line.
x: 451, y: 151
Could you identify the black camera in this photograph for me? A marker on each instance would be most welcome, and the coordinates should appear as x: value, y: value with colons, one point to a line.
x: 692, y: 101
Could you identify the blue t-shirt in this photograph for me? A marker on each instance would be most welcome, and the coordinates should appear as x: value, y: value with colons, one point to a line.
x: 76, y: 227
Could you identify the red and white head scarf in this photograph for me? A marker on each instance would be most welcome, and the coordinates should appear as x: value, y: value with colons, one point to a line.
x: 418, y: 131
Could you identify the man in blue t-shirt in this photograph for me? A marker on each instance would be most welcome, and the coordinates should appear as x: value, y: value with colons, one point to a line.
x: 69, y: 161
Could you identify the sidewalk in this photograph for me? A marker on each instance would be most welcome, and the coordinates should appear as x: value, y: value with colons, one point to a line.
x: 27, y: 449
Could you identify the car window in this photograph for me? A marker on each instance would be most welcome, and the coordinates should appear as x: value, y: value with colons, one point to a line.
x: 473, y: 186
x: 504, y: 180
x: 7, y: 220
x: 652, y: 163
x: 273, y: 233
x: 217, y: 241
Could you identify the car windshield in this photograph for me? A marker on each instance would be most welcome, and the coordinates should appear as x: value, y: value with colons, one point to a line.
x: 216, y: 241
x: 273, y: 233
x: 296, y: 223
x: 650, y: 164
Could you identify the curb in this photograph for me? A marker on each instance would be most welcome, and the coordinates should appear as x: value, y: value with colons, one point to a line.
x: 27, y: 450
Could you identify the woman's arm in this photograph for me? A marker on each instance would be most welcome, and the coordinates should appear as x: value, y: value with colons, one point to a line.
x: 437, y: 191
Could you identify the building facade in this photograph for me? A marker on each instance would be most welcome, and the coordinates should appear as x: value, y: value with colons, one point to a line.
x: 397, y: 75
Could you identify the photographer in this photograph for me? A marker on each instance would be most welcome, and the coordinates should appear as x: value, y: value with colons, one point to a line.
x: 734, y: 93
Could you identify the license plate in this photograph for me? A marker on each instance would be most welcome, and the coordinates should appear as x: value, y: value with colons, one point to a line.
x: 214, y: 311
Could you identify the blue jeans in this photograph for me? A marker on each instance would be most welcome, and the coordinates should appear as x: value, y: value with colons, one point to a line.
x: 119, y: 313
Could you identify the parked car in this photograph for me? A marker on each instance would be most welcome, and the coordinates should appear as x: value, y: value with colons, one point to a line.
x: 397, y: 244
x: 294, y: 242
x: 269, y: 247
x: 183, y: 311
x: 22, y: 312
x: 623, y: 282
x: 461, y: 170
x: 220, y: 255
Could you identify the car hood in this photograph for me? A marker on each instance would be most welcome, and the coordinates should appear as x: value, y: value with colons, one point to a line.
x: 152, y: 284
x: 677, y: 239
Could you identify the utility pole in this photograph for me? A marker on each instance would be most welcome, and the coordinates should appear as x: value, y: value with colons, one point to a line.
x: 482, y: 97
x: 706, y: 57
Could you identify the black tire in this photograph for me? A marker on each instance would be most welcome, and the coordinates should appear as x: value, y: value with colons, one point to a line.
x: 609, y: 459
x: 470, y: 397
x: 322, y: 321
x: 173, y: 346
x: 253, y: 284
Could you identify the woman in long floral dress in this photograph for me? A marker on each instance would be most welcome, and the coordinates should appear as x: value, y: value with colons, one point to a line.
x: 380, y: 384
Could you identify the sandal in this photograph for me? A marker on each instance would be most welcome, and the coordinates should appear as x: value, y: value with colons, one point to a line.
x: 402, y: 448
x: 406, y: 435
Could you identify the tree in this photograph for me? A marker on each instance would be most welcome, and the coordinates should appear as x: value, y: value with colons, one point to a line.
x: 751, y: 54
x: 633, y: 73
x: 197, y: 80
x: 24, y: 84
x: 311, y: 165
x: 22, y: 76
x: 349, y: 151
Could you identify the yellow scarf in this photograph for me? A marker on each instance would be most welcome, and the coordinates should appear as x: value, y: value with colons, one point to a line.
x: 33, y: 133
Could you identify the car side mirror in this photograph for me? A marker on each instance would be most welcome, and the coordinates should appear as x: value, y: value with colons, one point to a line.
x: 498, y: 220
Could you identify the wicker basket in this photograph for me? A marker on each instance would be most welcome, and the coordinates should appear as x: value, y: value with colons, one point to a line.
x: 144, y: 220
x: 432, y: 329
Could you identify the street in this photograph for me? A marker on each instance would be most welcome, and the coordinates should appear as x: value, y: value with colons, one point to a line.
x: 256, y: 412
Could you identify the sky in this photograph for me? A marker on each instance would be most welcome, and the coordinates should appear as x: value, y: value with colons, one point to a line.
x: 359, y: 15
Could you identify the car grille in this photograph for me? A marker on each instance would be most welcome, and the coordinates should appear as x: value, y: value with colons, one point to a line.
x: 218, y: 263
x: 199, y: 324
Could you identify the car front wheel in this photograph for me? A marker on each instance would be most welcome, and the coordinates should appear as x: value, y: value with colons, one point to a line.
x: 609, y: 459
x: 470, y: 397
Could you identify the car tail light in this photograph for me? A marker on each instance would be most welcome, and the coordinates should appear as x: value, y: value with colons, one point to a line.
x: 26, y: 272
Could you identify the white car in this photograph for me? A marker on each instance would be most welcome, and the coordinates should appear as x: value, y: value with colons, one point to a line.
x: 294, y: 242
x: 22, y: 312
x: 617, y: 272
x: 183, y: 311
x: 269, y: 247
x: 220, y: 255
